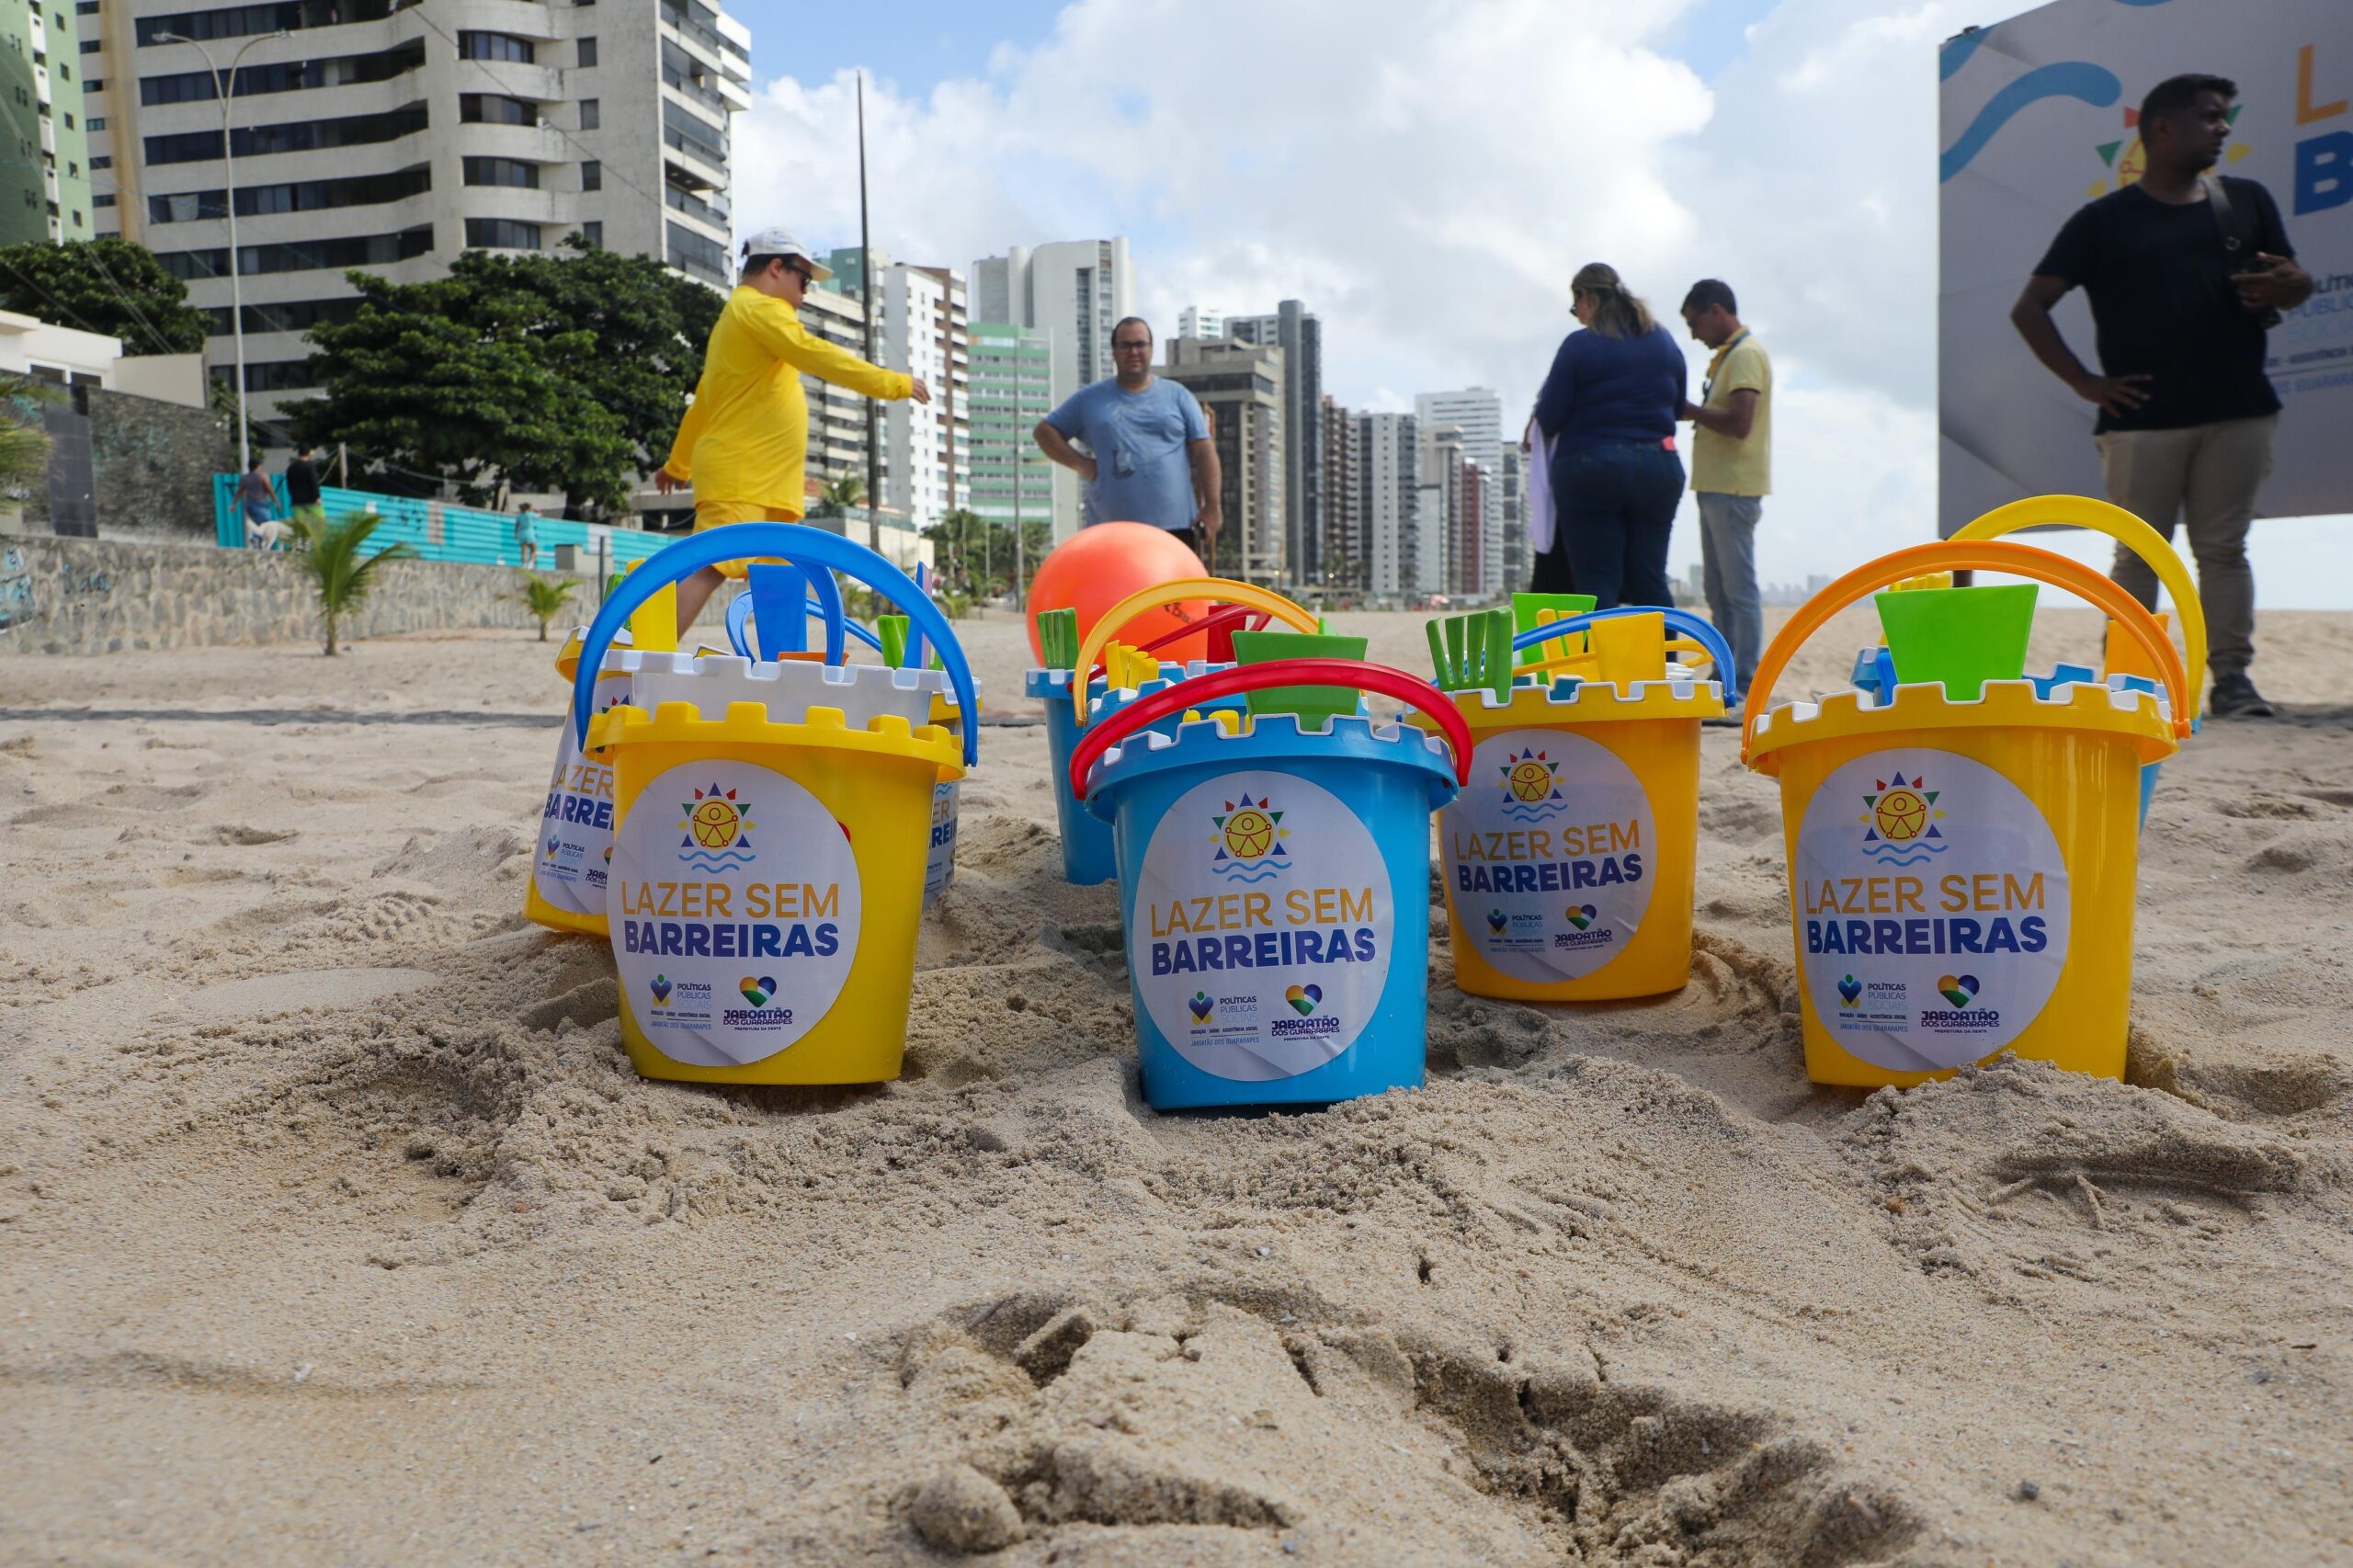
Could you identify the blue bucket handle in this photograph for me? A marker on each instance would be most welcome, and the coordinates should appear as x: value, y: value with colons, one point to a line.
x: 739, y: 616
x: 792, y: 542
x: 1692, y: 625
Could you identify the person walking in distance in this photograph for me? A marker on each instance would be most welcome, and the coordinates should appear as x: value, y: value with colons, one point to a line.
x: 1732, y: 469
x: 744, y: 444
x: 1149, y: 458
x: 2186, y: 272
x: 303, y: 501
x: 527, y: 536
x: 1610, y: 402
x: 259, y: 500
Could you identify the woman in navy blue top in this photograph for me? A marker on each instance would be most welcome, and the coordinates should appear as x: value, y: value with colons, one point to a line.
x: 1609, y: 403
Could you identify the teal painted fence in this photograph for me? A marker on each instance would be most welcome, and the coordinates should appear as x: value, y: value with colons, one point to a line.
x: 438, y: 531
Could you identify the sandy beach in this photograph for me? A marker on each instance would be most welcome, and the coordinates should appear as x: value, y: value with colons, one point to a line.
x: 335, y: 1225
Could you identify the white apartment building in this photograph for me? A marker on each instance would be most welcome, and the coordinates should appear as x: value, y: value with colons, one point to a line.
x: 1391, y: 501
x: 1076, y: 290
x: 1194, y: 321
x: 389, y: 135
x: 836, y: 415
x: 1478, y: 412
x: 927, y: 450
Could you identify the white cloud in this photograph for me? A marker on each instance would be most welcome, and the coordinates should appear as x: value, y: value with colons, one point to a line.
x: 1426, y: 175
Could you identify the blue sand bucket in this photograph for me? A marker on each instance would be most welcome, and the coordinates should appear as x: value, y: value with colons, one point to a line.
x: 1086, y: 842
x: 1274, y: 882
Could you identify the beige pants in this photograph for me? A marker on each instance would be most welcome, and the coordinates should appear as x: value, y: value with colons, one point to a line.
x: 2207, y: 476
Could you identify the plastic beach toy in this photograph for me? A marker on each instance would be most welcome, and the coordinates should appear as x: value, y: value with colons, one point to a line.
x: 768, y: 849
x: 1274, y: 881
x: 1086, y: 842
x: 574, y: 847
x: 1569, y: 855
x: 1961, y: 866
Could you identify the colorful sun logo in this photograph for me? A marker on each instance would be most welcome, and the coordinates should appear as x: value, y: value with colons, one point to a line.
x: 717, y: 830
x: 1531, y: 786
x: 2125, y: 157
x: 1249, y: 841
x: 1900, y: 821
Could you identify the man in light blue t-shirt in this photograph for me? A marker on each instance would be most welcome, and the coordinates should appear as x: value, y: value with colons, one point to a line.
x: 1148, y: 457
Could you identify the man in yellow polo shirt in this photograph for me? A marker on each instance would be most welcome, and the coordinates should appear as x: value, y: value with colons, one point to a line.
x: 1732, y: 469
x: 745, y: 441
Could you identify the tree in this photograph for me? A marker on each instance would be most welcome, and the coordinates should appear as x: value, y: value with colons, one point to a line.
x: 593, y: 355
x: 339, y: 574
x: 960, y: 544
x: 109, y: 286
x: 544, y: 598
x: 841, y: 493
x: 431, y: 386
x: 24, y: 442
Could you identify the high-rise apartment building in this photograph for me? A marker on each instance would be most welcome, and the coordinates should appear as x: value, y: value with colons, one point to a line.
x: 1239, y: 387
x: 1194, y: 321
x: 1075, y: 290
x: 1347, y: 560
x: 389, y: 136
x: 1511, y: 486
x: 1012, y: 388
x: 836, y: 415
x: 929, y: 445
x: 1389, y: 447
x: 1439, y: 539
x: 1478, y: 412
x: 49, y: 166
x: 1294, y: 329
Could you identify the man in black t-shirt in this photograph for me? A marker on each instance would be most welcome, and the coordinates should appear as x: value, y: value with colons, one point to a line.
x: 302, y: 490
x: 2183, y: 288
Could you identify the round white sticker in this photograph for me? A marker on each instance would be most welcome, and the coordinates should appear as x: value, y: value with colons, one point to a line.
x: 576, y: 848
x: 1931, y: 906
x: 734, y: 911
x: 1263, y: 926
x: 1549, y: 854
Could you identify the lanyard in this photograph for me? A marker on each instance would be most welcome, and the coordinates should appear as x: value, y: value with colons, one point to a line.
x: 1715, y: 364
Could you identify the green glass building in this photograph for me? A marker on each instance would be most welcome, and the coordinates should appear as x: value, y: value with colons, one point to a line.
x: 45, y: 143
x: 1012, y: 388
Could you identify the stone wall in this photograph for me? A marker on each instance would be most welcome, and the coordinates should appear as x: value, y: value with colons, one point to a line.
x: 97, y: 595
x: 150, y: 466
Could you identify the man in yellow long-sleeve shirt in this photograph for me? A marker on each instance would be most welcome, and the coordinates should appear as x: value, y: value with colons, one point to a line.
x: 745, y: 438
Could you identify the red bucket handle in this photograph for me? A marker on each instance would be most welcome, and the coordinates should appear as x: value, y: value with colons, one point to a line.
x: 1410, y: 689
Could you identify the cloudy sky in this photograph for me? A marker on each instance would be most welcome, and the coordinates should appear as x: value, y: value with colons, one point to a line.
x: 1425, y: 174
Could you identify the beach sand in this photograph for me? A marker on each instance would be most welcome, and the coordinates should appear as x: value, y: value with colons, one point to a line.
x: 334, y: 1226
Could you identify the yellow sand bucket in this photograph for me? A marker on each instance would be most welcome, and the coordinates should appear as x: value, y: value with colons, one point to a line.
x: 1568, y: 859
x: 1961, y: 873
x: 769, y: 869
x: 573, y: 851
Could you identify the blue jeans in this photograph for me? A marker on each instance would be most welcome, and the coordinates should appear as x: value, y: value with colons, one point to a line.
x: 1728, y: 568
x: 1616, y: 503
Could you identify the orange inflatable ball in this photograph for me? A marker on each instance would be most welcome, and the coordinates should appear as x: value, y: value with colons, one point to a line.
x: 1097, y: 567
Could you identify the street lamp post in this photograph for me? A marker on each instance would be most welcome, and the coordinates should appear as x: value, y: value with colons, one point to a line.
x: 226, y: 90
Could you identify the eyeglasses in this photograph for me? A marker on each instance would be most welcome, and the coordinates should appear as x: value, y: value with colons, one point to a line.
x: 805, y: 276
x: 1132, y: 345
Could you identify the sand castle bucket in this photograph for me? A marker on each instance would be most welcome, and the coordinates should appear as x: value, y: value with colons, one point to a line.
x: 1086, y: 841
x: 768, y: 851
x: 1274, y: 883
x: 1569, y: 856
x: 575, y: 849
x: 1963, y: 862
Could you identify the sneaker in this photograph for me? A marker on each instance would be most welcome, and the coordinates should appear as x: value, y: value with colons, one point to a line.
x: 2234, y: 696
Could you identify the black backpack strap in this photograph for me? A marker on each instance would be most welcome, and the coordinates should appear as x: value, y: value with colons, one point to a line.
x: 2226, y: 215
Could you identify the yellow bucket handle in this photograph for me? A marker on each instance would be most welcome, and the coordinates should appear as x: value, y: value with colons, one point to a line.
x: 1222, y: 590
x: 1572, y: 661
x: 2083, y: 512
x: 2019, y: 561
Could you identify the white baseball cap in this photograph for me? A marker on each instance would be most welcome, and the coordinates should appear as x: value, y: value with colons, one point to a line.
x: 784, y: 242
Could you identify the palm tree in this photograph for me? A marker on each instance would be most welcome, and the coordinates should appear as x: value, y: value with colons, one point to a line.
x: 842, y: 492
x: 543, y: 598
x: 336, y: 569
